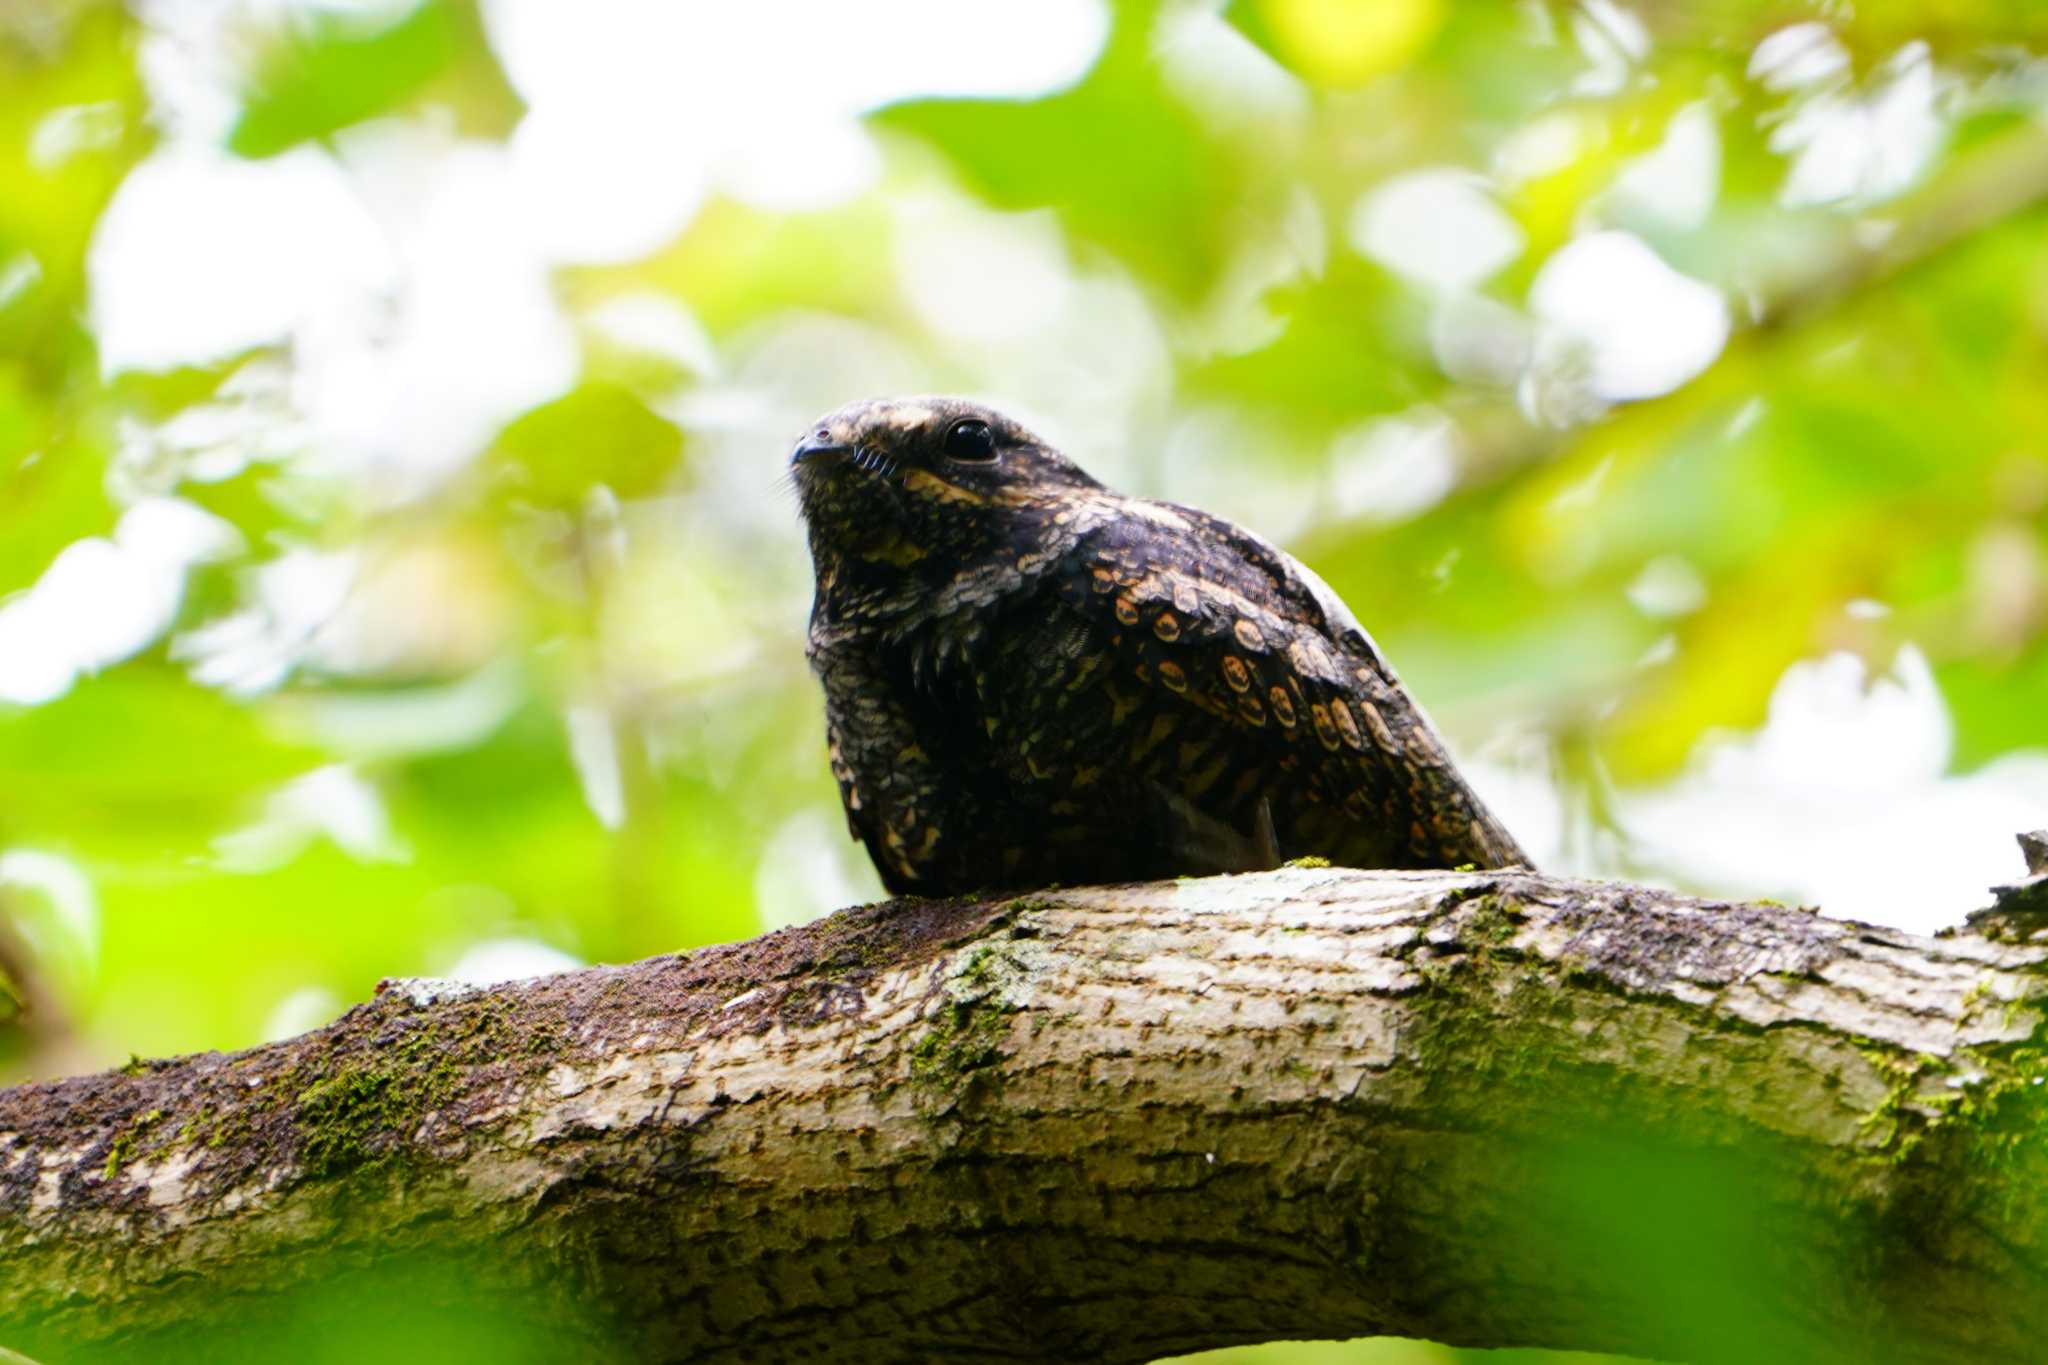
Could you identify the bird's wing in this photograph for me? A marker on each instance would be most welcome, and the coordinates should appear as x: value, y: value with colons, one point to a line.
x: 895, y: 794
x: 1201, y: 610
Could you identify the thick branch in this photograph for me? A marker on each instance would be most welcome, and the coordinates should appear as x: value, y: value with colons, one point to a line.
x: 1491, y: 1109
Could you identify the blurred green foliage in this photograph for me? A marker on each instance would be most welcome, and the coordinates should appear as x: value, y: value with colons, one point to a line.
x: 309, y: 80
x: 564, y: 686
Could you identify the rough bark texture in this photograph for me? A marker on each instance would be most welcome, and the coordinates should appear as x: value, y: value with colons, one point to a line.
x: 1490, y: 1109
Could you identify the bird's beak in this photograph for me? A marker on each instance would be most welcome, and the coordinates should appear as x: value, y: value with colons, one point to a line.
x: 815, y: 446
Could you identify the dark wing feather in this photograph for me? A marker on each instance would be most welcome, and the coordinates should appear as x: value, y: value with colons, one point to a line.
x: 1245, y: 699
x: 897, y: 771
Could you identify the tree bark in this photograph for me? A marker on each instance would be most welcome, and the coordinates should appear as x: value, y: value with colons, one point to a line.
x: 1492, y: 1109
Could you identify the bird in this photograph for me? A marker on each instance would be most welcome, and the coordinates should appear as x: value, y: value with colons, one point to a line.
x: 1032, y: 680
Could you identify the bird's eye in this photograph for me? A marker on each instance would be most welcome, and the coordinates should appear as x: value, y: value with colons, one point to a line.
x: 972, y: 441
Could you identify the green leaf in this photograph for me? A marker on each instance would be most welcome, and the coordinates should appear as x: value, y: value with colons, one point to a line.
x: 1997, y: 706
x: 323, y: 73
x: 1117, y: 157
x: 72, y: 64
x: 1334, y: 363
x: 599, y: 433
x: 52, y: 491
x: 735, y: 264
x: 1340, y: 45
x: 138, y: 745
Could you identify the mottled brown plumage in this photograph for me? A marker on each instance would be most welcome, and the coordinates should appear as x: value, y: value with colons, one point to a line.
x: 1032, y: 679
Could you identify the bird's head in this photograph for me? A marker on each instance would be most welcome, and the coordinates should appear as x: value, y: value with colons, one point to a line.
x: 904, y: 491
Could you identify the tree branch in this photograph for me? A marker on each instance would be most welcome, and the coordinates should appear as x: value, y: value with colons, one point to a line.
x: 1490, y: 1109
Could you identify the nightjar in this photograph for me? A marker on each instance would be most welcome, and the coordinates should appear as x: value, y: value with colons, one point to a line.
x: 1032, y: 679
